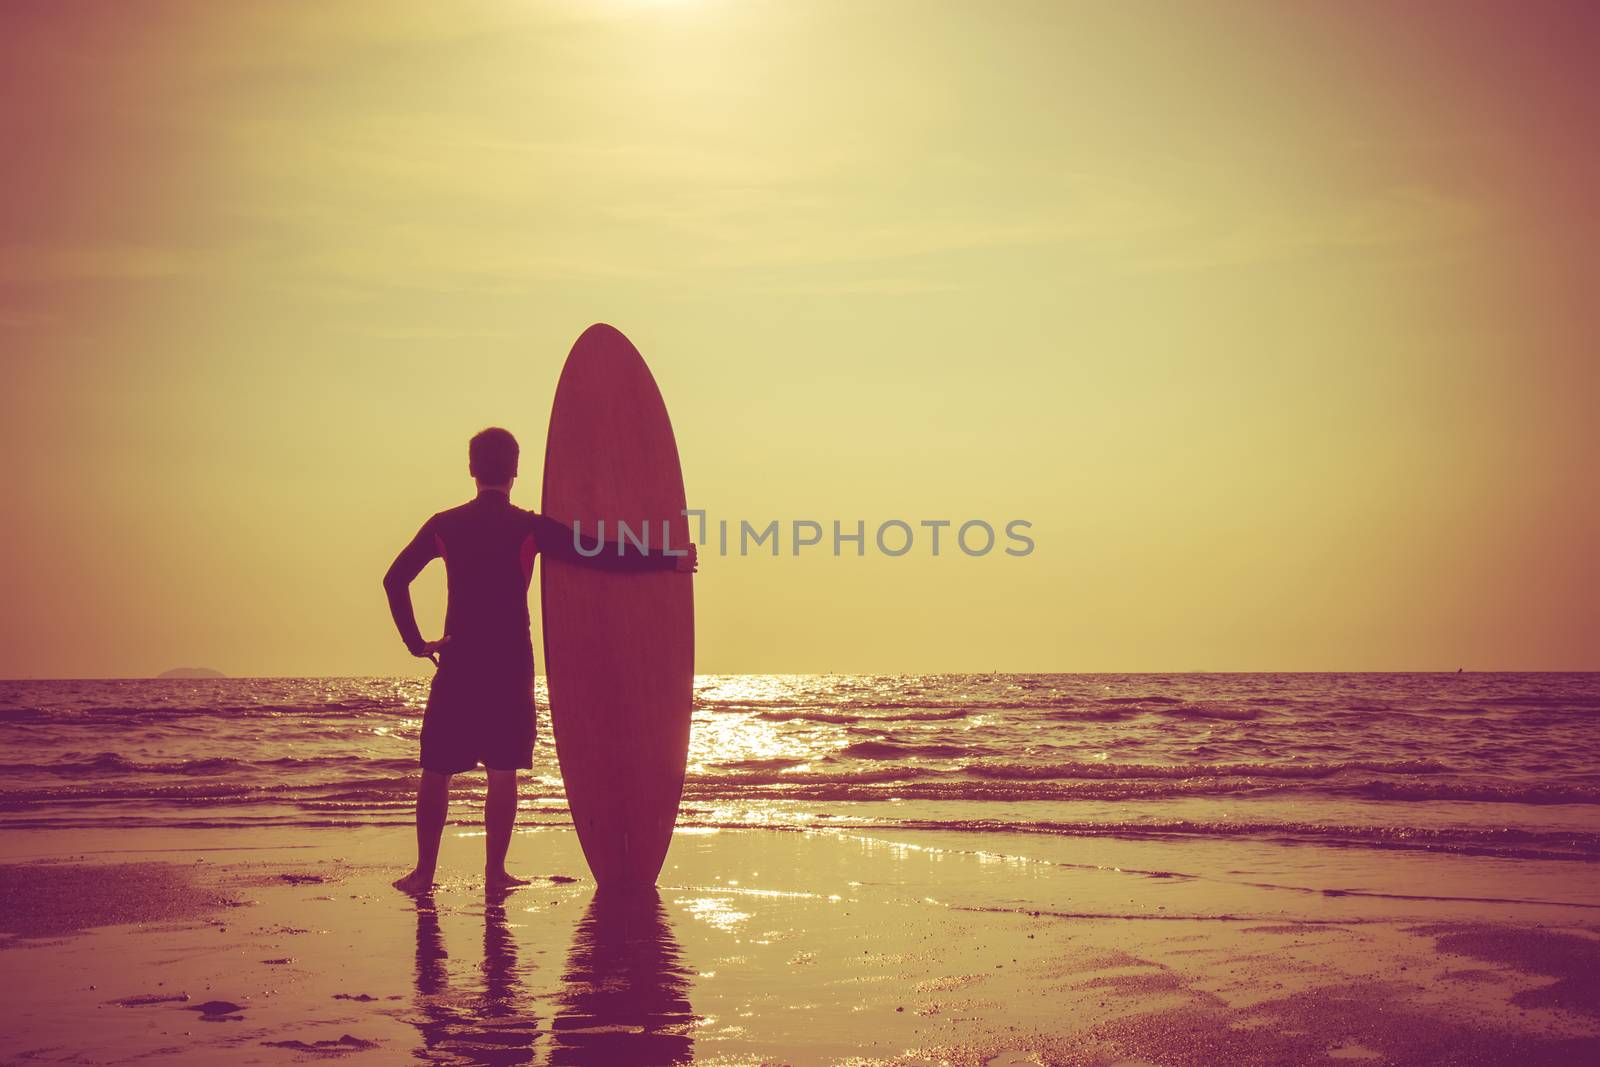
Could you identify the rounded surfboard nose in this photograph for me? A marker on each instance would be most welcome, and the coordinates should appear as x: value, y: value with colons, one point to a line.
x: 618, y: 647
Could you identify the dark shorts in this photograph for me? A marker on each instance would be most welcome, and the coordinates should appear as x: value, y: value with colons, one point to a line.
x: 480, y: 710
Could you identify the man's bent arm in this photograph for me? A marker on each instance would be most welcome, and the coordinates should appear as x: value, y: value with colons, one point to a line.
x: 557, y: 540
x: 397, y: 584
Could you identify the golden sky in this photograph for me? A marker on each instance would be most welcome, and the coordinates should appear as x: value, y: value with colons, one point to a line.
x: 1276, y: 320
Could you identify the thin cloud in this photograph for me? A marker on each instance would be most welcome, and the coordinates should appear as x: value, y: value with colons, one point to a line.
x: 1396, y: 220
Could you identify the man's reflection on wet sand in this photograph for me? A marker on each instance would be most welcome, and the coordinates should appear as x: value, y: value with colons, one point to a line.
x: 494, y: 1027
x: 625, y: 990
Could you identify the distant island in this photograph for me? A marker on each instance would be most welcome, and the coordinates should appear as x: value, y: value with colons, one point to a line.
x: 191, y: 672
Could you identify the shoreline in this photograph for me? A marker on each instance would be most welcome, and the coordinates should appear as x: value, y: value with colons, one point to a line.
x: 761, y: 946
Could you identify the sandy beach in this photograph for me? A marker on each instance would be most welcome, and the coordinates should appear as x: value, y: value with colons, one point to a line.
x: 781, y: 947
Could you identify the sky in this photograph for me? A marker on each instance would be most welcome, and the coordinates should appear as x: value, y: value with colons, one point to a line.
x: 1276, y: 321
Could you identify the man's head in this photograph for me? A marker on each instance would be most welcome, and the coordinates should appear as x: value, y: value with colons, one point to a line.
x: 492, y: 457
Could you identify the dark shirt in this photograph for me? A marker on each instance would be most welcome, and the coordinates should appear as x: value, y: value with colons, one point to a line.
x: 488, y: 546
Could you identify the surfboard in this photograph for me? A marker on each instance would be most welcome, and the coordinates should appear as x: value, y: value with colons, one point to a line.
x: 618, y: 647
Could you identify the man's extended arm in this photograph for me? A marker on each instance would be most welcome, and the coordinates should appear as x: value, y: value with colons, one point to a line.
x: 557, y: 540
x: 397, y: 584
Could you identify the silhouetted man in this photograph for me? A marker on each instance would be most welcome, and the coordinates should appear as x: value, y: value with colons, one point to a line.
x: 480, y: 706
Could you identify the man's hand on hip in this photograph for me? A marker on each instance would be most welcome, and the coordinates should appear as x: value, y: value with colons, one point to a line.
x: 428, y: 649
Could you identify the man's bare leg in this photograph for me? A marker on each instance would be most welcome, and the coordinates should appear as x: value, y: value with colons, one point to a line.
x: 499, y: 816
x: 433, y: 805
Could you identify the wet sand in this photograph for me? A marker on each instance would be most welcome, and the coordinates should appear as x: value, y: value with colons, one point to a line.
x: 783, y: 947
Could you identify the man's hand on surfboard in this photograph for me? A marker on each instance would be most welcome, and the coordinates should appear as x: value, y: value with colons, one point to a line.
x: 691, y: 562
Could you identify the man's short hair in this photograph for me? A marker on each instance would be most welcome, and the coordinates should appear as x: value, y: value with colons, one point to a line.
x: 492, y: 456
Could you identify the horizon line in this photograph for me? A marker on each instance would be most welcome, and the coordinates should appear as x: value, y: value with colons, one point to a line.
x: 824, y: 674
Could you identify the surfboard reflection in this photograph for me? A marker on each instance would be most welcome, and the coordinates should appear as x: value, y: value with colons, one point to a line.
x: 625, y: 996
x: 491, y: 1026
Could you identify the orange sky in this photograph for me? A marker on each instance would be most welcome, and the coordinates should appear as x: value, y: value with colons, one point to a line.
x: 1276, y: 321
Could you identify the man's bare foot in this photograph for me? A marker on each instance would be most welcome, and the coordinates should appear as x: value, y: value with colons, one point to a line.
x: 501, y: 880
x: 414, y: 883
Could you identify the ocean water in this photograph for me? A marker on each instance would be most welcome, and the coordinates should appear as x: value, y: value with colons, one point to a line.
x: 1504, y: 765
